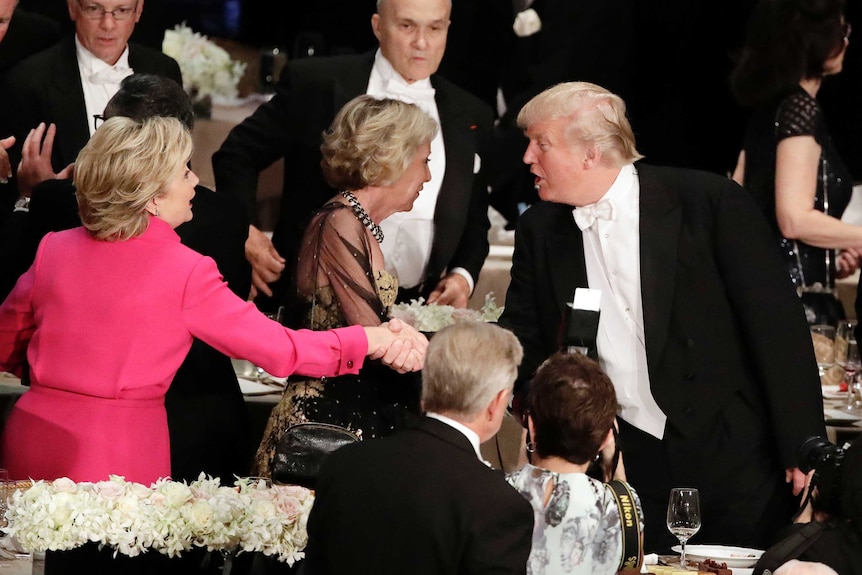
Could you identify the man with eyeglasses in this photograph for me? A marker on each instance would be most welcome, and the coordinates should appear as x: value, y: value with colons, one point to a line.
x: 70, y: 83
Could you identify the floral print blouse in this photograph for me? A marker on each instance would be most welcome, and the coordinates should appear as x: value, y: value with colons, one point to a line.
x: 579, y: 531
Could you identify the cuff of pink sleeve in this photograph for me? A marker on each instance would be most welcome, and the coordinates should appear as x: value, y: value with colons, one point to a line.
x: 354, y: 348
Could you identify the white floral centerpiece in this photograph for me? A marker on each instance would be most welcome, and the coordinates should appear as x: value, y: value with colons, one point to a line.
x: 208, y: 71
x: 434, y: 317
x: 169, y: 516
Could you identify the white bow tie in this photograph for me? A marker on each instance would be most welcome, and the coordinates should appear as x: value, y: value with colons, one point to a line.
x: 110, y: 75
x: 585, y: 216
x: 410, y: 93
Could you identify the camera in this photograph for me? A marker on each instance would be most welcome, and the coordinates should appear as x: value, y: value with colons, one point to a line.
x: 827, y: 462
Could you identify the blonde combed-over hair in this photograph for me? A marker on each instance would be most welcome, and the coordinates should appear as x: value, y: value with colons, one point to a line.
x: 466, y: 365
x: 597, y: 117
x: 372, y: 141
x: 124, y: 165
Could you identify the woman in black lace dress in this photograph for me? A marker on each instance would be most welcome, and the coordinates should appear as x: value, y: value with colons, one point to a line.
x: 376, y: 152
x: 788, y: 162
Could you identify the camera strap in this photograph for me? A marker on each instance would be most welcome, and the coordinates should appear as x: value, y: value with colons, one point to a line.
x: 788, y: 548
x: 631, y: 525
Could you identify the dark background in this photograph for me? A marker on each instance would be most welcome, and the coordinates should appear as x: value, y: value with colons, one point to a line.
x: 679, y: 101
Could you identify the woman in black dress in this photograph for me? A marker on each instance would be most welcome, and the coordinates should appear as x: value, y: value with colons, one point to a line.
x: 788, y: 162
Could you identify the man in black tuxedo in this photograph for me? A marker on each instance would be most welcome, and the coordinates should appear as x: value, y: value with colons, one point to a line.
x: 423, y: 499
x: 437, y: 249
x: 699, y: 329
x: 70, y: 83
x: 207, y: 419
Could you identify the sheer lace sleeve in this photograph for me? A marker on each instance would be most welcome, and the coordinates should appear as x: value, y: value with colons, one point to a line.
x: 336, y: 255
x: 797, y: 115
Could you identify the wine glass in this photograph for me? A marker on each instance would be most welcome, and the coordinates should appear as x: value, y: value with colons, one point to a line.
x: 845, y: 331
x: 683, y: 516
x: 4, y: 497
x: 852, y: 363
x: 823, y: 339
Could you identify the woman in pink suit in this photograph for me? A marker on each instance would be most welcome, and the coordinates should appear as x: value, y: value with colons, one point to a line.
x: 108, y: 311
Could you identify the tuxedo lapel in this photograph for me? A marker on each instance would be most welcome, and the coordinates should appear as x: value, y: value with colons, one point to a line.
x: 459, y: 141
x: 67, y: 97
x: 660, y: 221
x: 565, y: 249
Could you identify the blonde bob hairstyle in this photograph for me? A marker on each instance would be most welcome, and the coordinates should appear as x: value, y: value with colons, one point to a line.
x: 596, y: 117
x: 466, y: 365
x: 124, y: 165
x: 371, y: 142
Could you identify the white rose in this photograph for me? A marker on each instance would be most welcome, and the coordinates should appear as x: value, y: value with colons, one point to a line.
x: 176, y: 494
x: 527, y: 23
x: 201, y: 513
x: 64, y: 484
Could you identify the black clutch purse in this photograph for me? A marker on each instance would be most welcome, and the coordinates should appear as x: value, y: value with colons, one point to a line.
x: 300, y: 452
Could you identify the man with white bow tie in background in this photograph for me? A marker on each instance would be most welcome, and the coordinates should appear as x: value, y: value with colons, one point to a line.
x: 437, y: 249
x: 69, y: 84
x: 699, y: 329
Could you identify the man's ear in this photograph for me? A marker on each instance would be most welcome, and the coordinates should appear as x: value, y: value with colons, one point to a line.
x: 139, y: 10
x: 592, y: 157
x: 375, y: 25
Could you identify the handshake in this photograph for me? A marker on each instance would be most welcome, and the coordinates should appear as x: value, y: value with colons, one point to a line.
x: 397, y: 345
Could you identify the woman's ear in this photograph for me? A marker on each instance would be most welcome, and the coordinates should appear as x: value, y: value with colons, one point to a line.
x: 609, y: 438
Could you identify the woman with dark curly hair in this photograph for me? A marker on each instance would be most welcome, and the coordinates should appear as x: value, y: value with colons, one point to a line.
x: 570, y: 414
x: 788, y: 162
x: 376, y: 152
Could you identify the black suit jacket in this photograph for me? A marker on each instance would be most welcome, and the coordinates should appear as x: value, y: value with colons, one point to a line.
x: 417, y: 502
x: 309, y: 94
x: 28, y: 34
x: 46, y: 87
x: 207, y: 419
x: 721, y: 319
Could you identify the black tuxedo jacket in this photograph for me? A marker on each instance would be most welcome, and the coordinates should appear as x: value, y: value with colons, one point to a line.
x: 207, y: 419
x: 721, y: 320
x: 309, y: 94
x: 46, y: 87
x: 417, y: 502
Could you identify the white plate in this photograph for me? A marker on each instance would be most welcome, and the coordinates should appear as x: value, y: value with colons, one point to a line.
x: 252, y: 387
x: 733, y: 556
x: 839, y: 417
x: 833, y: 392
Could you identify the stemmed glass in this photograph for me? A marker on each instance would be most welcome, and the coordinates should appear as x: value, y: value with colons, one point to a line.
x: 683, y: 516
x: 852, y: 363
x: 823, y: 339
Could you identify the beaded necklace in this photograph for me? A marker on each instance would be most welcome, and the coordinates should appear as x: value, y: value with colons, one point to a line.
x: 363, y: 216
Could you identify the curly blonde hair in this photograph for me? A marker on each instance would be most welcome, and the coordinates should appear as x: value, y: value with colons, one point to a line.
x: 371, y: 142
x: 124, y: 165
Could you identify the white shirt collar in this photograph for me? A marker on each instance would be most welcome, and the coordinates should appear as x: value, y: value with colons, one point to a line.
x: 90, y: 64
x: 469, y: 433
x: 387, y: 73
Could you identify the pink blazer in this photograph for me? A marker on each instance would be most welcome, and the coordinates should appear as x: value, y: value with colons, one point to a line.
x: 105, y: 325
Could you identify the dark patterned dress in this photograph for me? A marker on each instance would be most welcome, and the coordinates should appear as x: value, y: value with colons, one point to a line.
x: 338, y: 287
x: 797, y: 114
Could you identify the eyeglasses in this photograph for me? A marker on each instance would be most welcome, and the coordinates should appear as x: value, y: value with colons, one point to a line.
x: 97, y: 12
x: 97, y: 121
x: 846, y: 28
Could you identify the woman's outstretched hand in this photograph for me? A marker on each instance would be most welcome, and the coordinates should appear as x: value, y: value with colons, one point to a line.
x: 397, y: 345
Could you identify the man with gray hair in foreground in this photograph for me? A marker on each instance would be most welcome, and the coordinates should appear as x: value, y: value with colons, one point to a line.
x: 422, y: 500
